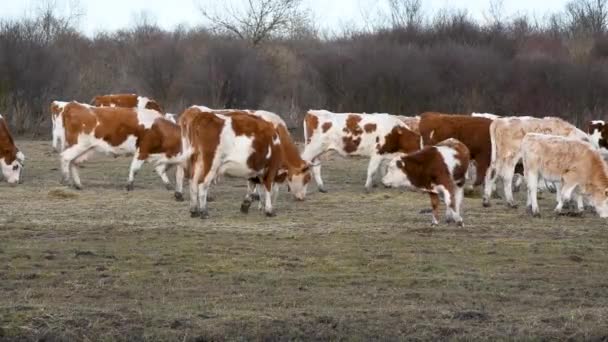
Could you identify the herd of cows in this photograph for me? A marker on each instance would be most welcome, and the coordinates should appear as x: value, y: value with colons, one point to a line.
x: 434, y: 153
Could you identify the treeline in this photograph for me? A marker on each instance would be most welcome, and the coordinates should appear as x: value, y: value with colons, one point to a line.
x: 449, y: 63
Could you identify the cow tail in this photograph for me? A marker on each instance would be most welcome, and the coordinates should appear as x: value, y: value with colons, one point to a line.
x: 305, y: 131
x: 493, y: 147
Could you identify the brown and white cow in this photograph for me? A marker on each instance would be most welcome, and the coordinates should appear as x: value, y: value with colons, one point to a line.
x: 11, y: 159
x: 377, y: 136
x: 143, y: 133
x: 294, y: 170
x: 577, y: 164
x: 507, y: 135
x: 439, y: 169
x: 126, y: 101
x: 58, y: 133
x: 239, y: 145
x: 473, y: 132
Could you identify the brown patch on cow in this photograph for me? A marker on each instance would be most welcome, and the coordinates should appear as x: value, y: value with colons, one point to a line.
x: 312, y: 122
x: 326, y: 126
x: 163, y: 137
x: 473, y: 132
x: 123, y: 100
x: 203, y: 130
x: 351, y: 144
x: 352, y: 125
x: 400, y: 139
x: 370, y: 127
x: 263, y: 134
x: 8, y: 149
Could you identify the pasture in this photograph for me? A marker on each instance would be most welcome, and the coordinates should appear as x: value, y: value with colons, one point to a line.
x: 104, y: 264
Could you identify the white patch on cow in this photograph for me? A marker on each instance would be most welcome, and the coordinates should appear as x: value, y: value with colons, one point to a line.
x: 431, y: 135
x: 598, y: 122
x: 146, y: 117
x: 202, y: 108
x: 449, y: 157
x: 170, y: 117
x: 486, y: 115
x: 237, y: 153
x: 271, y: 117
x: 12, y: 171
x: 595, y: 137
x: 142, y: 101
x: 276, y: 140
x: 269, y: 154
x: 20, y: 156
x: 112, y: 105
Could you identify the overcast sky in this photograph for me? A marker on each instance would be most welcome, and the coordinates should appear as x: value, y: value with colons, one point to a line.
x: 109, y: 15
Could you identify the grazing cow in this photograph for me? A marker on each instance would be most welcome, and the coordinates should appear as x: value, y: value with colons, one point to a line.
x: 438, y: 169
x: 143, y: 133
x: 507, y: 135
x: 577, y: 164
x: 474, y: 132
x: 294, y: 170
x: 412, y: 122
x: 378, y: 136
x: 126, y: 101
x: 11, y: 159
x: 239, y: 145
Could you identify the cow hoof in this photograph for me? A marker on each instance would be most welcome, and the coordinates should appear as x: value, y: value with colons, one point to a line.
x: 529, y: 210
x: 460, y: 224
x: 323, y: 190
x: 512, y: 206
x: 270, y: 214
x: 536, y: 215
x: 64, y: 181
x: 204, y: 214
x: 77, y: 186
x: 169, y: 187
x: 449, y: 220
x: 486, y: 203
x: 434, y: 224
x: 255, y: 197
x: 245, y: 207
x: 179, y: 197
x: 194, y: 213
x: 130, y: 187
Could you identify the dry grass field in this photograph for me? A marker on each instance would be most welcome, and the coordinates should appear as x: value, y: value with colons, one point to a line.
x: 102, y: 264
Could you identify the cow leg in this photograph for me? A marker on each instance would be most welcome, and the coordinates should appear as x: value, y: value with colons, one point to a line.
x: 488, y: 186
x: 203, y: 189
x: 67, y: 159
x: 566, y: 194
x: 196, y: 175
x: 136, y: 165
x: 458, y: 198
x: 372, y: 167
x: 161, y: 171
x: 268, y: 192
x: 532, y: 189
x: 560, y: 202
x: 435, y: 205
x: 507, y: 178
x: 251, y: 188
x: 179, y: 183
x: 316, y: 171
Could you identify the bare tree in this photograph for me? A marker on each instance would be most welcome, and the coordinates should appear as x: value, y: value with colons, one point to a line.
x: 588, y: 16
x: 405, y: 13
x: 256, y: 20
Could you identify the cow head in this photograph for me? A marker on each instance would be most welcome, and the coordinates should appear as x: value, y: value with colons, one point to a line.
x: 396, y: 176
x: 297, y: 181
x: 12, y: 171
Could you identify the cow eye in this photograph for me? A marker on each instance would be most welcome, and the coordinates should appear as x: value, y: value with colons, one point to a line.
x: 15, y: 167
